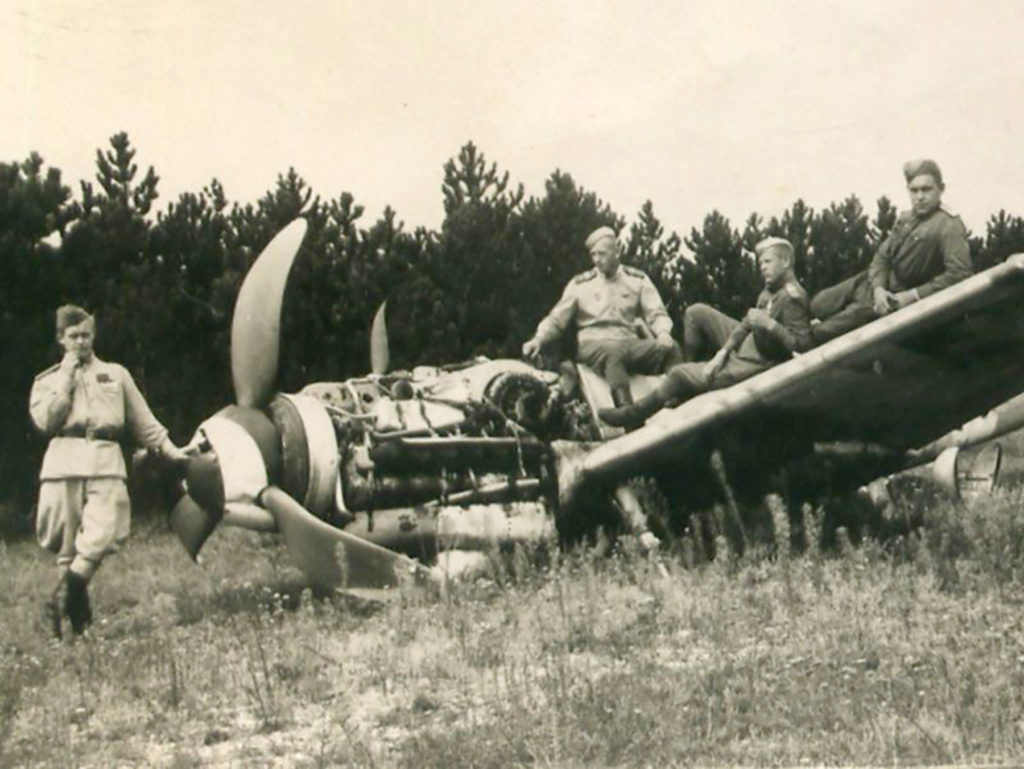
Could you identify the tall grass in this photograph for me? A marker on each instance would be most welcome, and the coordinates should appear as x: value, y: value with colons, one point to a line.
x: 905, y: 651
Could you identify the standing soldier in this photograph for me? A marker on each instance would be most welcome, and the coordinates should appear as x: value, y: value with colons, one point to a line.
x: 925, y: 252
x: 606, y: 306
x: 83, y: 404
x: 777, y: 327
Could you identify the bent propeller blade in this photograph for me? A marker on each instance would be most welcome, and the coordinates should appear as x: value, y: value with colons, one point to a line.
x: 192, y: 524
x: 256, y: 325
x: 380, y: 352
x: 331, y: 558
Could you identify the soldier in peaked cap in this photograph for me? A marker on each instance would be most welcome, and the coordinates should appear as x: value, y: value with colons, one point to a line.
x: 605, y: 305
x: 775, y: 328
x: 84, y: 405
x: 925, y: 252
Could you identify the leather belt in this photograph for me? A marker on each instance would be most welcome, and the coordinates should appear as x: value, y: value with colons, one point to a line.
x: 91, y: 433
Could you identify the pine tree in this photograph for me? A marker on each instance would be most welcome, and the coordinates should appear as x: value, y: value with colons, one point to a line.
x: 840, y: 240
x: 884, y: 221
x: 795, y: 227
x: 33, y: 205
x: 552, y: 248
x: 474, y: 256
x: 1004, y: 235
x: 109, y: 266
x: 721, y: 272
x: 649, y: 249
x: 192, y: 243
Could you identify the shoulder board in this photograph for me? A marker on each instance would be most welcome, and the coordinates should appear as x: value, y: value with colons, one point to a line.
x: 48, y: 371
x: 583, y: 277
x: 905, y: 216
x: 795, y: 290
x: 949, y: 213
x: 636, y: 272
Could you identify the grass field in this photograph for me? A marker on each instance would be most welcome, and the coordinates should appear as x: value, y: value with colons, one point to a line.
x: 902, y: 653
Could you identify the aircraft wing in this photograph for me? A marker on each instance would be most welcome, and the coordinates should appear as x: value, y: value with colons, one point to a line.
x: 899, y: 382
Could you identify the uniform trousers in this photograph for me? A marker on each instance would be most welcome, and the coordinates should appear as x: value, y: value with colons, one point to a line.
x: 843, y: 307
x: 705, y: 328
x: 616, y: 359
x: 82, y: 520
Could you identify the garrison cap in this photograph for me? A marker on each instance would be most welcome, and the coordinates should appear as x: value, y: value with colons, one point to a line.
x: 767, y: 243
x: 600, y: 234
x: 914, y: 168
x: 69, y: 315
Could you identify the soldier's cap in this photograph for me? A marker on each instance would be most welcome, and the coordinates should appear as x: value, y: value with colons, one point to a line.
x: 598, y: 235
x: 914, y: 168
x: 767, y: 243
x: 69, y: 315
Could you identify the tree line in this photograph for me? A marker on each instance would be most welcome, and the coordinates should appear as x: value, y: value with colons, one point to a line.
x: 162, y: 284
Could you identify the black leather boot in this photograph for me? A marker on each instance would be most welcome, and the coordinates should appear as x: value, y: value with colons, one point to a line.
x: 634, y: 414
x: 622, y: 396
x: 53, y: 610
x: 76, y: 602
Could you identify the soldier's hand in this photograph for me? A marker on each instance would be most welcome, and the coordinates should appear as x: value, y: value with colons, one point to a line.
x: 69, y: 363
x: 174, y: 453
x: 664, y: 341
x: 642, y: 330
x: 903, y: 298
x: 531, y: 349
x: 883, y: 301
x: 714, y: 365
x: 759, y: 318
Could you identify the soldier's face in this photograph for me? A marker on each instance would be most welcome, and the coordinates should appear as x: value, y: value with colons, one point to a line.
x: 925, y: 194
x: 605, y: 255
x: 78, y: 340
x: 775, y: 263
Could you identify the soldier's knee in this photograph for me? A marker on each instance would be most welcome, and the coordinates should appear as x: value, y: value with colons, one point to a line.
x: 695, y: 312
x: 673, y: 357
x: 684, y: 379
x: 820, y: 305
x: 674, y: 378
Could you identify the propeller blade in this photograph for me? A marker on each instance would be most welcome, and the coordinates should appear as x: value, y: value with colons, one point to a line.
x: 332, y: 558
x: 192, y: 524
x: 256, y: 325
x: 380, y: 352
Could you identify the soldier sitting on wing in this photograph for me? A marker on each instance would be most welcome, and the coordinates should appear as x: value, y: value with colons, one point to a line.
x: 771, y: 332
x: 926, y: 251
x: 605, y: 305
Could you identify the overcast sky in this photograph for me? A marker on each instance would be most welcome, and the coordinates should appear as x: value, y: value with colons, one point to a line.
x: 740, y: 106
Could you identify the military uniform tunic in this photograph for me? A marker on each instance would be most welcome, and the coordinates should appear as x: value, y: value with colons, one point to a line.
x: 83, y: 510
x: 606, y: 307
x: 924, y: 254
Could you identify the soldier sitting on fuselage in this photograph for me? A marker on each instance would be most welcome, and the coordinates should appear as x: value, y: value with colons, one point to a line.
x: 605, y: 305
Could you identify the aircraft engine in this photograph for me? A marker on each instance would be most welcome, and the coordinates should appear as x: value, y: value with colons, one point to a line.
x: 424, y: 458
